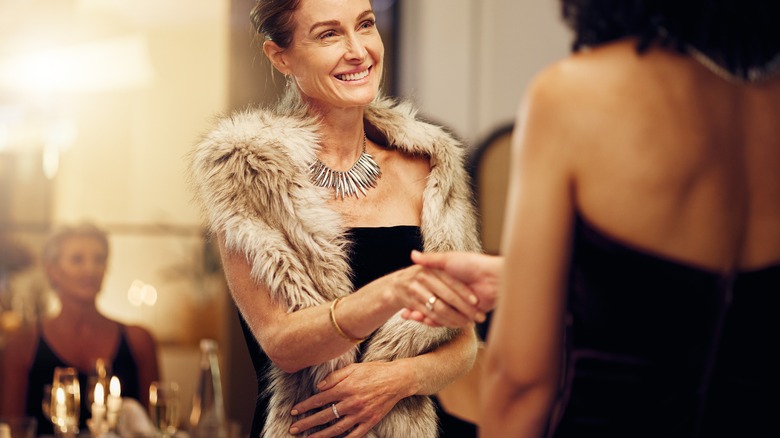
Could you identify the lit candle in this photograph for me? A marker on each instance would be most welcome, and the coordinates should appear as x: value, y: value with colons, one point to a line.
x: 114, y: 402
x: 99, y: 406
x: 60, y: 409
x: 114, y: 390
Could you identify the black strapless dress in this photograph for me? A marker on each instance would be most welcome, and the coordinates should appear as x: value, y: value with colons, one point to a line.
x: 41, y: 372
x: 374, y: 252
x: 659, y: 348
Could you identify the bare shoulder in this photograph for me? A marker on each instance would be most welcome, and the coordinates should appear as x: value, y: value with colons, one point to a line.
x: 589, y: 77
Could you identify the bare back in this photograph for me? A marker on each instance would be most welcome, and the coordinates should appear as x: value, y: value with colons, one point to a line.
x: 664, y: 159
x: 674, y: 159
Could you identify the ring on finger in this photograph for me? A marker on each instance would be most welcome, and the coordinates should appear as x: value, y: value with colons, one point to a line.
x: 335, y: 411
x: 431, y: 301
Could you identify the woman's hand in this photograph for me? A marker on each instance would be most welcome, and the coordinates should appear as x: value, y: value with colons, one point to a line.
x: 476, y: 277
x: 362, y: 393
x: 435, y: 298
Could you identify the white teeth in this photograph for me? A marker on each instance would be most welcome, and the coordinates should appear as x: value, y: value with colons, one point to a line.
x: 353, y: 76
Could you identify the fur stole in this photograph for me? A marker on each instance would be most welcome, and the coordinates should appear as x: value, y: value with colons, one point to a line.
x: 250, y: 175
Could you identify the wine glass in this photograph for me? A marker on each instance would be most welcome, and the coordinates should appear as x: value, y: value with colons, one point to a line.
x: 164, y: 407
x: 46, y: 401
x: 65, y: 402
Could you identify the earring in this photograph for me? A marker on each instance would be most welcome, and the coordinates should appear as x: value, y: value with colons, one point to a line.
x: 288, y: 80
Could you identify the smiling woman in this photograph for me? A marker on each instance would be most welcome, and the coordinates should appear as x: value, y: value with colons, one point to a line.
x: 318, y: 261
x: 334, y: 61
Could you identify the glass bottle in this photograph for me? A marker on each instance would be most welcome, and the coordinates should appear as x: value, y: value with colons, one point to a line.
x: 207, y: 418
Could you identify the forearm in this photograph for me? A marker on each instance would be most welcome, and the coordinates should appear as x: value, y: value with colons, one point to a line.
x: 430, y: 372
x: 309, y: 336
x: 316, y: 334
x: 509, y: 409
x: 306, y: 337
x: 517, y: 392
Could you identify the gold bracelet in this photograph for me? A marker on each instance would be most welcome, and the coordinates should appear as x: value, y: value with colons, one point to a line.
x: 336, y: 325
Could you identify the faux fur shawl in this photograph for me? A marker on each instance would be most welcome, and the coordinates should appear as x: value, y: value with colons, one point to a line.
x: 250, y: 175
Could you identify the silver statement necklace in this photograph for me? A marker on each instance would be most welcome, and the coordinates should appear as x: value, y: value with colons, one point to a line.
x: 358, y: 179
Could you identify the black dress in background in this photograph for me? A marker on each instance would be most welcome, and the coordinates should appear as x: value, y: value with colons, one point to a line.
x: 123, y: 365
x: 374, y: 252
x: 659, y: 348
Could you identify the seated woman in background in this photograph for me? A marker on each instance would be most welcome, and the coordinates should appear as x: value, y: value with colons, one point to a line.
x: 74, y: 260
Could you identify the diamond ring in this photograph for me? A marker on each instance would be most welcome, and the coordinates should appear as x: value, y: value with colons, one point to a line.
x: 335, y: 411
x: 431, y: 301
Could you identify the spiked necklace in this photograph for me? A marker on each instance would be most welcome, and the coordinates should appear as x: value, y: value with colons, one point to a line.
x: 358, y: 179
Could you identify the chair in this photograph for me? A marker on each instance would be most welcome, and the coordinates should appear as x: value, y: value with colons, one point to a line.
x: 488, y: 166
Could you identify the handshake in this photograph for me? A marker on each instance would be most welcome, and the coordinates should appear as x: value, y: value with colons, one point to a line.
x: 473, y: 281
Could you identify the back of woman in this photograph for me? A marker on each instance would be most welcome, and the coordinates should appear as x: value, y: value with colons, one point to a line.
x: 645, y: 212
x: 676, y: 257
x: 676, y: 159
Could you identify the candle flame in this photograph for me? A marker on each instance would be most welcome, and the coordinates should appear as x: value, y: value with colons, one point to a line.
x: 60, y: 395
x: 99, y: 394
x: 114, y: 387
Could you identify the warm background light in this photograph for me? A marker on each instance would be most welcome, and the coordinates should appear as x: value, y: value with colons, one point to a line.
x: 120, y: 63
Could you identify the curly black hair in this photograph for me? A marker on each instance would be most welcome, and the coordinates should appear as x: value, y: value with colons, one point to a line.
x: 738, y: 34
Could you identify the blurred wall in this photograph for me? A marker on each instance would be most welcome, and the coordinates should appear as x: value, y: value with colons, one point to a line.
x: 467, y: 62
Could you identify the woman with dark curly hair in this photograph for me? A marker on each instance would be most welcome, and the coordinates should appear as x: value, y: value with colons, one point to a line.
x: 644, y: 211
x: 642, y: 240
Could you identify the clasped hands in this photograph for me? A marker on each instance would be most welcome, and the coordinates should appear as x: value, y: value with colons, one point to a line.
x: 471, y: 281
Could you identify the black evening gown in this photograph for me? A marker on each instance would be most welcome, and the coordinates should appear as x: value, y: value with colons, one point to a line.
x: 41, y: 372
x: 374, y: 252
x: 660, y: 348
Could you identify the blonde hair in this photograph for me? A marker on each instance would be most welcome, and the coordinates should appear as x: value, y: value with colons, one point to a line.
x: 53, y: 245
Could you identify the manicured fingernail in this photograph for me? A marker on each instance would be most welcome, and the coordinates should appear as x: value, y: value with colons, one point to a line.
x: 294, y: 412
x: 293, y: 430
x: 473, y: 299
x: 480, y: 317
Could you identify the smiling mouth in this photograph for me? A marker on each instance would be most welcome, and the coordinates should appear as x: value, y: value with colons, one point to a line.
x: 354, y: 76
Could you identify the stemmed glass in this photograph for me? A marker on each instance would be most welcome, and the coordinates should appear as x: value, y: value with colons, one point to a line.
x: 164, y: 407
x: 46, y: 401
x: 65, y: 402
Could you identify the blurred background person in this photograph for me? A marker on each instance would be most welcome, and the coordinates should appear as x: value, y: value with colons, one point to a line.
x: 75, y: 260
